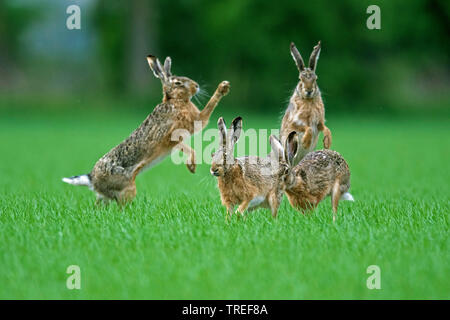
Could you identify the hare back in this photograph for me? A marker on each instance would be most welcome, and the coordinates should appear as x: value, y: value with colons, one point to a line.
x: 261, y: 172
x: 145, y: 146
x: 320, y: 169
x: 245, y: 181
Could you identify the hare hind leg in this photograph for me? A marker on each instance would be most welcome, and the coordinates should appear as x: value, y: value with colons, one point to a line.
x: 327, y: 139
x: 307, y: 138
x: 127, y: 194
x: 190, y: 162
x: 335, y: 196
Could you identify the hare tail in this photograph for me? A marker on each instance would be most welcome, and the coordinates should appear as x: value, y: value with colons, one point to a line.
x: 83, y: 180
x: 347, y: 196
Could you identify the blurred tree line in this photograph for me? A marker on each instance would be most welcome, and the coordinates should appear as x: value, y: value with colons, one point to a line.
x: 402, y: 66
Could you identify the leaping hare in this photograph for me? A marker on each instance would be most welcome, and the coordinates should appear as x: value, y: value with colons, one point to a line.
x: 113, y: 176
x: 250, y: 182
x: 318, y: 174
x: 306, y: 113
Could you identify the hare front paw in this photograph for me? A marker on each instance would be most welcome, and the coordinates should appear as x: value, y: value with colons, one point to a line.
x: 224, y: 88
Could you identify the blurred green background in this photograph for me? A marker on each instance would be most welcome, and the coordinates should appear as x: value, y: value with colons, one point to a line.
x: 402, y: 68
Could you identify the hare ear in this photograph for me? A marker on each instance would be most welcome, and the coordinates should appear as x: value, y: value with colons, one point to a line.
x: 236, y: 128
x: 168, y: 66
x: 291, y: 147
x: 314, y: 57
x: 276, y: 147
x: 156, y: 67
x: 223, y: 131
x: 297, y: 57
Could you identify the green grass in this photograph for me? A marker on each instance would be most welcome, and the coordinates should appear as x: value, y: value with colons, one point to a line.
x: 173, y: 242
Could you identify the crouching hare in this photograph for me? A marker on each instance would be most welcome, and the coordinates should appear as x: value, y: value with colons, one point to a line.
x: 318, y: 174
x: 250, y: 182
x: 306, y: 113
x: 113, y: 176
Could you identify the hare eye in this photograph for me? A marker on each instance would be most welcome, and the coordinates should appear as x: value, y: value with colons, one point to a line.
x: 178, y: 83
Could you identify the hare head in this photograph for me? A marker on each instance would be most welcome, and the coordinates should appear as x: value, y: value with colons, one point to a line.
x: 223, y: 158
x: 290, y: 150
x: 307, y: 86
x: 174, y: 87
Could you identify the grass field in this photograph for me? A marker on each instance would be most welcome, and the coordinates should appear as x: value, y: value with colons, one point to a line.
x: 173, y: 242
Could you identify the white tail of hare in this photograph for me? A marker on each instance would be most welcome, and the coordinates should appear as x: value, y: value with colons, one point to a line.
x: 113, y: 176
x: 306, y: 113
x: 318, y: 174
x: 250, y: 182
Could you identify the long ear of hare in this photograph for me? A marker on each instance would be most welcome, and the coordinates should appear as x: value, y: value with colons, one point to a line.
x: 235, y: 132
x: 297, y: 57
x: 236, y: 128
x: 167, y: 66
x: 291, y: 147
x: 156, y: 67
x: 277, y: 148
x: 223, y: 132
x: 314, y: 57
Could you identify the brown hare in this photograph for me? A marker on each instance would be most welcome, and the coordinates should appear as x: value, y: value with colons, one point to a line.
x: 250, y: 182
x: 113, y: 176
x: 306, y: 113
x: 318, y: 174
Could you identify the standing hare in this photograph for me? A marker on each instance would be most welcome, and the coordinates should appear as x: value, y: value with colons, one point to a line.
x: 306, y: 113
x: 318, y: 174
x: 113, y: 176
x: 250, y: 182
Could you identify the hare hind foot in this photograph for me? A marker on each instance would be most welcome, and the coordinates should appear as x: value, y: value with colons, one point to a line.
x: 335, y: 197
x: 307, y: 138
x: 126, y: 195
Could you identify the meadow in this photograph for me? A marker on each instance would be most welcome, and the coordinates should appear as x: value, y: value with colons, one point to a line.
x: 173, y: 242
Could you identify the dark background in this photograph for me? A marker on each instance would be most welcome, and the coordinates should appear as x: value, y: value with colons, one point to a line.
x: 402, y: 68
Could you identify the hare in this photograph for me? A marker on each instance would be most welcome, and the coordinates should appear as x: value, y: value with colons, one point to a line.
x: 306, y: 113
x: 318, y: 174
x: 250, y: 182
x: 113, y: 176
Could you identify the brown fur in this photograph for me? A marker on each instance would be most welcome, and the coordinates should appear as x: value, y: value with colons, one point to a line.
x: 306, y: 112
x: 317, y: 175
x: 241, y: 180
x: 113, y: 176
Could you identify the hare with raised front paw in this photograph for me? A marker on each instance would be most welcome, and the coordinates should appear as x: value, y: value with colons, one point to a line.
x: 113, y: 176
x: 306, y: 112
